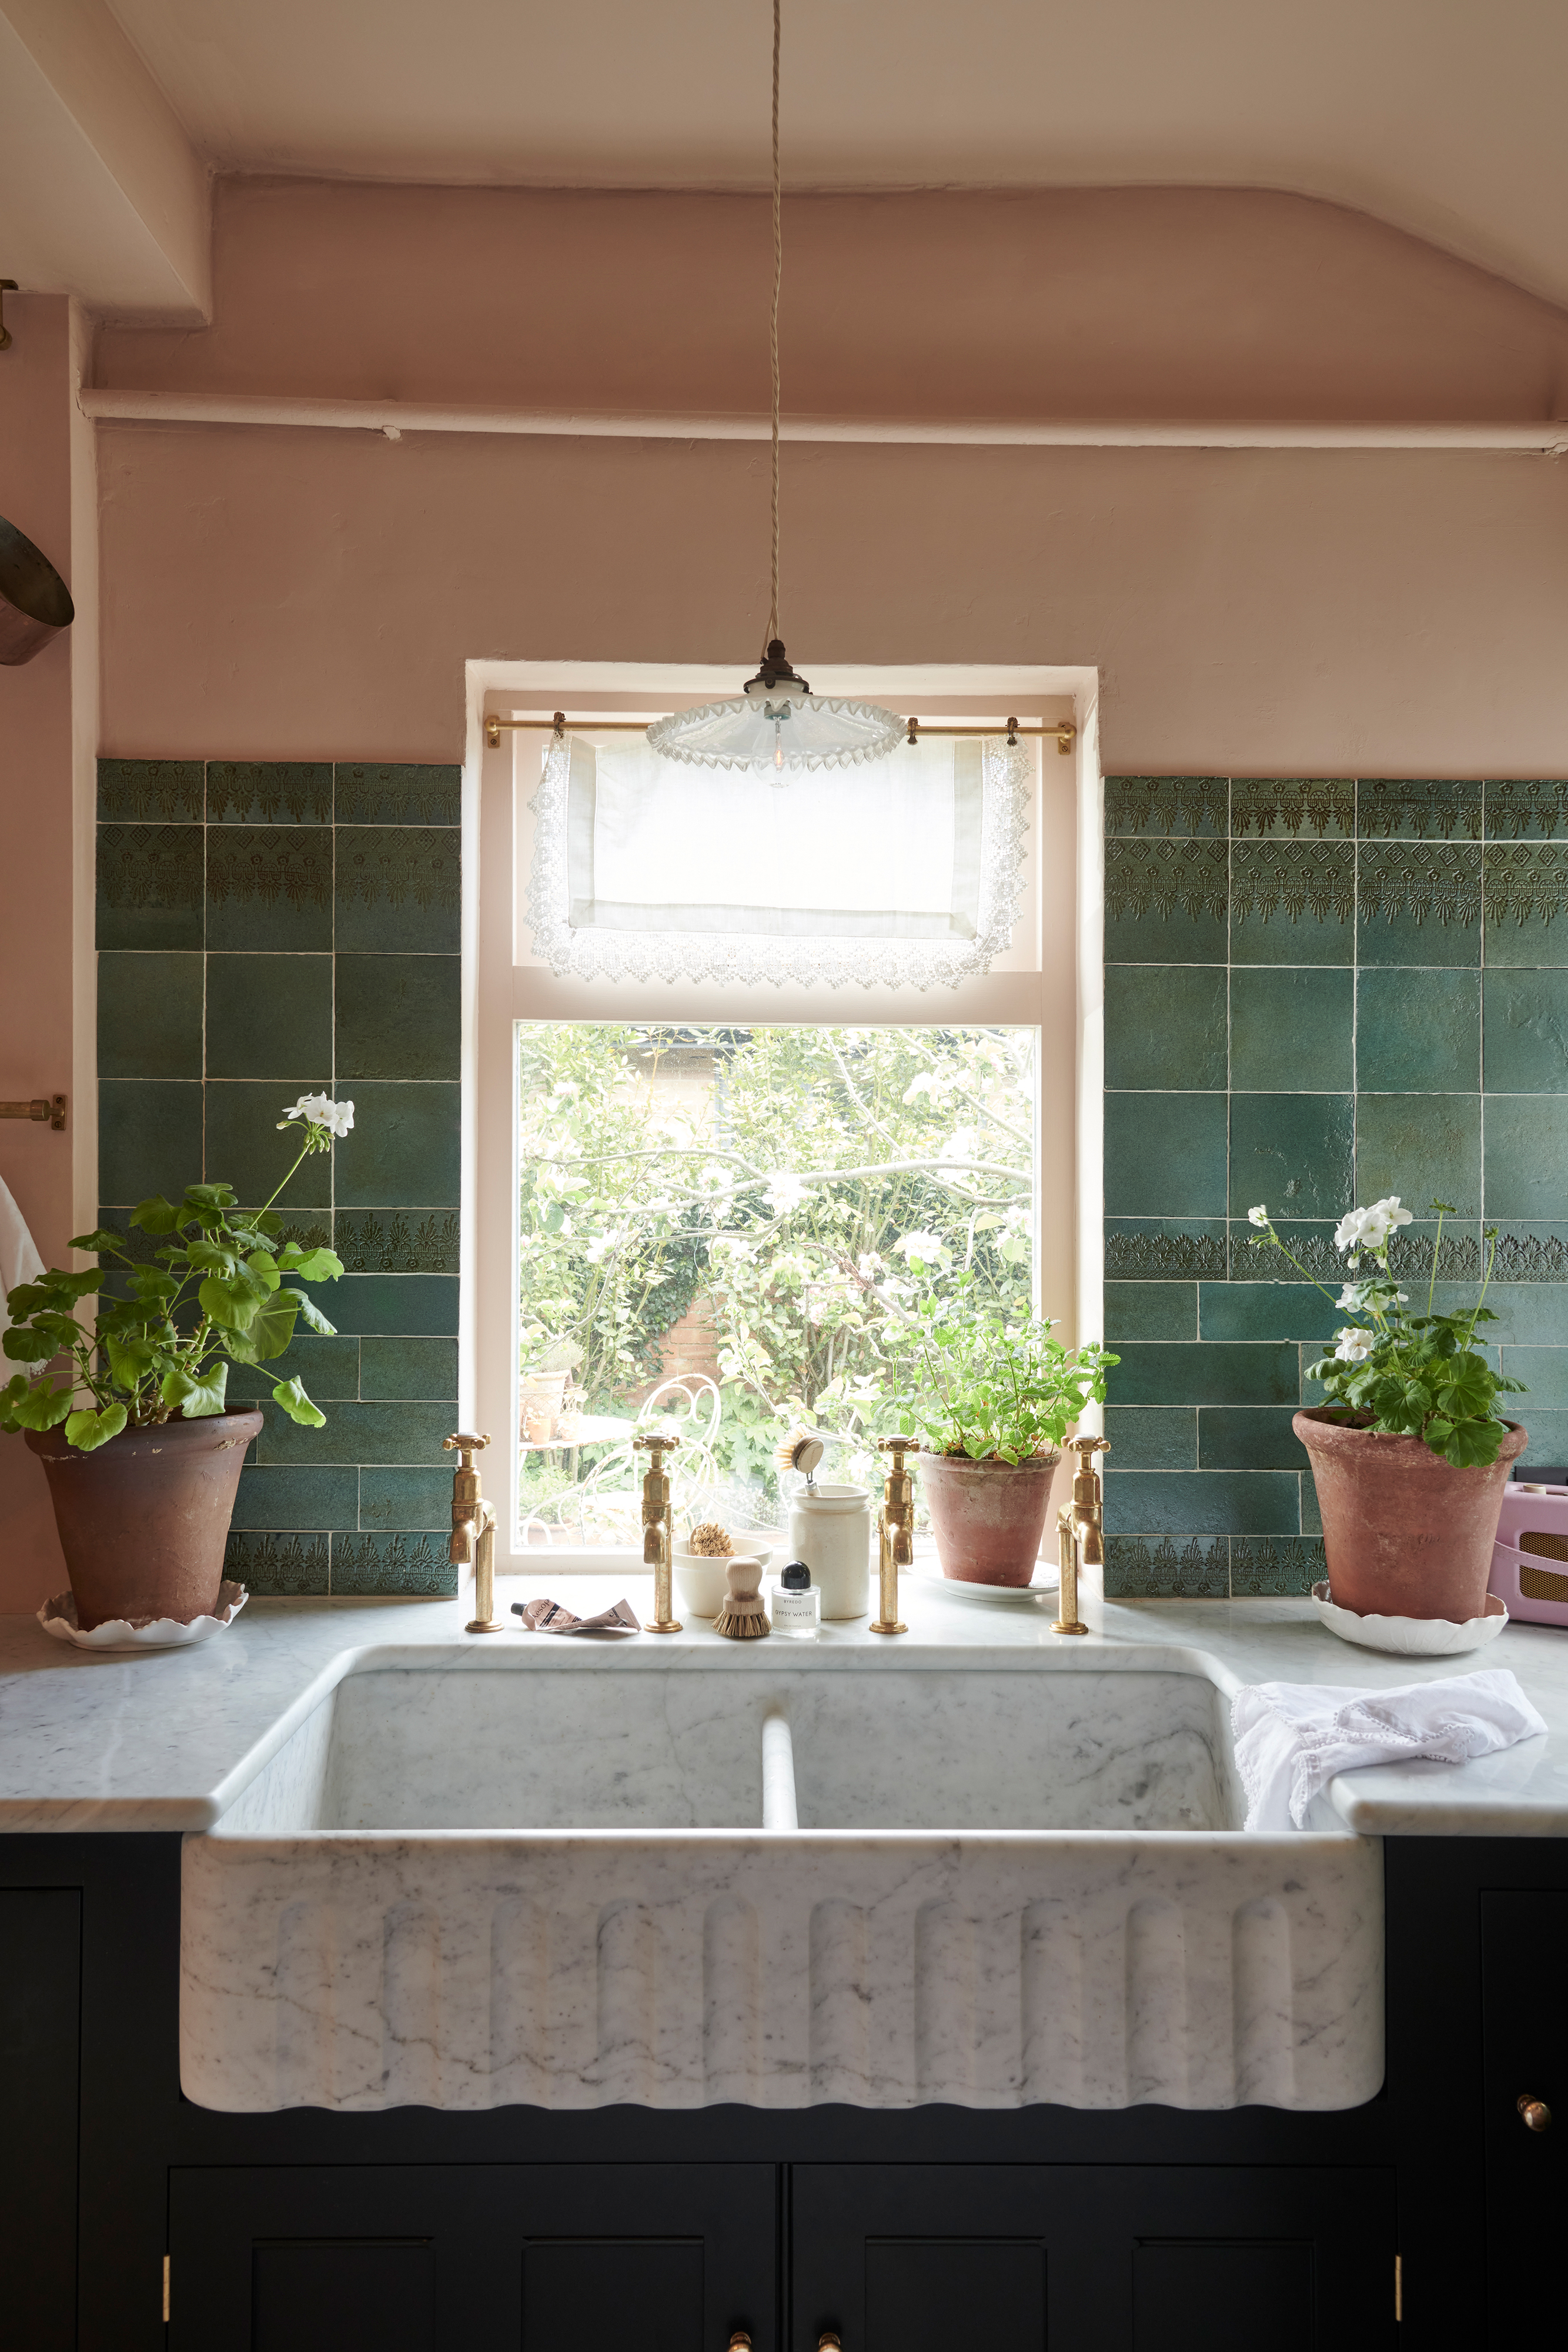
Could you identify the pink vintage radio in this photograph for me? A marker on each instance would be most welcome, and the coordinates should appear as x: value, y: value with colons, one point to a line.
x: 1529, y: 1564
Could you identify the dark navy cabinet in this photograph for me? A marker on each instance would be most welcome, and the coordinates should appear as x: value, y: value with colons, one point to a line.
x: 40, y: 2017
x: 1524, y: 1949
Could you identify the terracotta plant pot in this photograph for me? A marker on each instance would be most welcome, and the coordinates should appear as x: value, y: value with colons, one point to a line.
x: 987, y: 1516
x: 1405, y: 1534
x: 143, y: 1519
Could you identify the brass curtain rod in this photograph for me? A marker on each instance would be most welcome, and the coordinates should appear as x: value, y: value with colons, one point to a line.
x: 1065, y: 731
x: 42, y: 1107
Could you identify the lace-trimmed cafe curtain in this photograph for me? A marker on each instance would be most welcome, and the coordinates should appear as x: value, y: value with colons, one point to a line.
x: 903, y: 872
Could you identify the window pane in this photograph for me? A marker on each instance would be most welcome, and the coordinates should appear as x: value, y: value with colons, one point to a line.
x: 746, y: 1229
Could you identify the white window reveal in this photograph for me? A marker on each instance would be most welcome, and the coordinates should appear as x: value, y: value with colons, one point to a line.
x: 909, y: 877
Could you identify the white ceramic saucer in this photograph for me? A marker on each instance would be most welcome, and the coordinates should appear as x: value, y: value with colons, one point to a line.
x: 989, y: 1596
x: 123, y: 1636
x: 1411, y: 1637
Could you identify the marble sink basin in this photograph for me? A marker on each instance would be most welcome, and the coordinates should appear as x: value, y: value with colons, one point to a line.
x: 560, y: 1876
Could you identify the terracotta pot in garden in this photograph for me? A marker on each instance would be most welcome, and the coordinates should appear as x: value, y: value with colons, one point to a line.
x: 144, y: 1519
x: 1405, y: 1532
x: 987, y: 1516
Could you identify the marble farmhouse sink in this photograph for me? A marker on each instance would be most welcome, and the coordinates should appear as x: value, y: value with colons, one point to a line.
x: 572, y: 1878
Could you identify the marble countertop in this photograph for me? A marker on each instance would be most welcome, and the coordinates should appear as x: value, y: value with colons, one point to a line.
x: 168, y: 1739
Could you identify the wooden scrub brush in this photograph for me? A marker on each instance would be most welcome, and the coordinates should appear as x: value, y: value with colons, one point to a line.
x: 801, y: 1450
x: 743, y: 1616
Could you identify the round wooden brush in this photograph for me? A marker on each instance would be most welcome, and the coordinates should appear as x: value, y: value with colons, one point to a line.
x: 743, y: 1617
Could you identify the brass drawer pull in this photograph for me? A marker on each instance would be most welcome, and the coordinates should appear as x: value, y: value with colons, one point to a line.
x: 740, y: 2342
x: 1535, y: 2113
x: 829, y: 2340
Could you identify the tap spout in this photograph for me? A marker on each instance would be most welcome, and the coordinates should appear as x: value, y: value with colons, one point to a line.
x: 658, y: 1526
x: 472, y: 1539
x: 1079, y: 1535
x: 894, y: 1534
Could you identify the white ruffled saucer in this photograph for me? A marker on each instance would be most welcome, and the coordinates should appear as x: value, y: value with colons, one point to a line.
x: 122, y: 1636
x: 1411, y: 1637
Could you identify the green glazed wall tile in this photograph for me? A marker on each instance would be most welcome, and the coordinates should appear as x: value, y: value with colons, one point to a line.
x: 269, y: 791
x: 1248, y: 1437
x: 246, y: 1149
x: 1527, y: 904
x: 398, y: 1240
x: 1265, y: 1311
x: 1139, y: 1568
x: 1398, y: 809
x: 1528, y: 1313
x: 399, y: 1016
x: 1269, y: 1566
x: 269, y: 887
x: 1290, y: 1029
x: 149, y: 1137
x: 1153, y: 1436
x: 398, y: 889
x: 1250, y: 1372
x: 1526, y: 1156
x: 1165, y: 1026
x: 407, y: 1499
x: 402, y: 793
x: 1527, y: 1033
x: 269, y: 1016
x: 1166, y: 901
x: 1312, y: 1520
x: 1419, y: 903
x: 149, y: 1016
x: 1417, y: 1032
x: 1293, y: 902
x: 279, y: 1564
x: 1203, y: 1502
x: 1544, y: 1371
x: 1421, y: 1147
x: 1548, y: 1446
x: 396, y: 1432
x: 150, y: 888
x: 1311, y: 1391
x: 1150, y: 1310
x: 1293, y: 1153
x: 149, y: 792
x: 330, y: 1369
x: 1296, y: 807
x: 395, y: 1563
x: 1310, y: 1243
x: 1410, y: 1258
x: 1527, y: 810
x: 375, y: 1304
x: 1172, y: 805
x: 1163, y: 1248
x: 404, y: 1146
x: 297, y: 1498
x: 1532, y: 1254
x: 1165, y: 1155
x: 408, y: 1368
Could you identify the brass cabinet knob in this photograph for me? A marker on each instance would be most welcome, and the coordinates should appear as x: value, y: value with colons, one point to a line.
x: 740, y: 2341
x: 1535, y: 2113
x: 830, y: 2339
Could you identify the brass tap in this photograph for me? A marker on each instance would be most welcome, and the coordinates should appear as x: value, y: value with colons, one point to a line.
x: 658, y: 1527
x: 473, y: 1531
x: 1080, y: 1531
x: 894, y: 1534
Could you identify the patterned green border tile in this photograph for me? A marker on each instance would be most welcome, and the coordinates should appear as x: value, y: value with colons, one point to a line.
x: 269, y: 791
x: 1144, y: 1568
x: 398, y: 1240
x: 1400, y: 808
x: 1300, y: 806
x: 402, y: 793
x: 1275, y: 1566
x: 149, y: 792
x: 1526, y: 808
x: 1167, y: 804
x: 402, y: 1563
x: 1165, y: 1249
x: 279, y: 1563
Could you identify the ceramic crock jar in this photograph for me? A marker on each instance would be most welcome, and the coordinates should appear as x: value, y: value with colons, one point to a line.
x: 1405, y: 1534
x: 829, y: 1529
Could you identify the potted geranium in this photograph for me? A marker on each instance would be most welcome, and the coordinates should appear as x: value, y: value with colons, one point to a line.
x: 993, y: 1402
x: 129, y: 1414
x: 1409, y: 1453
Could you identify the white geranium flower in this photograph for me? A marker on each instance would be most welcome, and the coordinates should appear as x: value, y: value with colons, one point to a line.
x: 924, y: 1246
x: 320, y: 1110
x: 1350, y: 1295
x: 1257, y: 1216
x: 1354, y: 1347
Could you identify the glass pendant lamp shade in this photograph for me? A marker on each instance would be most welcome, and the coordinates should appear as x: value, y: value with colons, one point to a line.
x: 776, y: 722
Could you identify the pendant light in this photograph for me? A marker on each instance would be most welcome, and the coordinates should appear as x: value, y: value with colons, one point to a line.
x: 776, y: 722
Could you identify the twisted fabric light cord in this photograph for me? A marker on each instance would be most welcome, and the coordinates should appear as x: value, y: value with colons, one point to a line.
x: 773, y: 339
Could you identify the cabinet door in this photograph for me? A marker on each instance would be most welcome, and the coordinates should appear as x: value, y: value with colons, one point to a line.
x: 521, y: 2258
x: 1525, y: 2056
x: 1084, y: 2258
x: 40, y: 2034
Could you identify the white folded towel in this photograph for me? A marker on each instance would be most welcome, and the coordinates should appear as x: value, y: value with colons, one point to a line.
x: 19, y: 1259
x: 1293, y: 1738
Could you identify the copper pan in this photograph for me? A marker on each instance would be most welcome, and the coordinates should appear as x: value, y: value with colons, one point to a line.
x: 34, y: 602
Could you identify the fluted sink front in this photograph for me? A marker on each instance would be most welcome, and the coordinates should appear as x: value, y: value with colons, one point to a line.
x: 568, y: 1878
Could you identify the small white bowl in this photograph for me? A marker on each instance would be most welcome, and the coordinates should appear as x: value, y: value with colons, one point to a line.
x: 703, y: 1581
x: 1411, y: 1637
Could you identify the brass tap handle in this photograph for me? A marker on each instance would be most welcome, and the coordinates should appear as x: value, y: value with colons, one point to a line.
x: 1533, y: 2113
x: 469, y: 1446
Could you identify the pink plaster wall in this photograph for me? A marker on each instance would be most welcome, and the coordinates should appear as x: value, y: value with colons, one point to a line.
x: 36, y: 878
x: 291, y: 592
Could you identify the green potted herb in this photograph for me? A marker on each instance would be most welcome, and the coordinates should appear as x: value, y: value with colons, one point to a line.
x: 1409, y: 1453
x: 129, y: 1414
x: 992, y: 1403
